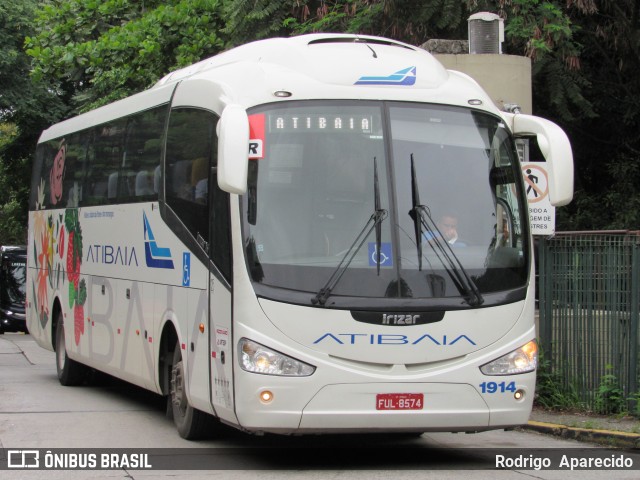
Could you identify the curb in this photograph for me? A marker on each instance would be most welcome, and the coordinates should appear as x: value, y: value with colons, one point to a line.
x: 602, y: 437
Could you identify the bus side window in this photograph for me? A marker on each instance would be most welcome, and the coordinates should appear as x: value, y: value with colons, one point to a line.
x: 75, y: 161
x: 104, y: 157
x: 60, y: 166
x: 191, y: 184
x: 40, y: 188
x: 142, y: 155
x: 190, y: 141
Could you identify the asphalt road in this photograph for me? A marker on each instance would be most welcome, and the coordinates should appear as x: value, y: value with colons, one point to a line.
x: 36, y: 412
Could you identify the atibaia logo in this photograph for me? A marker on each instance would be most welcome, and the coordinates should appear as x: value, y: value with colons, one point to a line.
x: 155, y: 256
x: 406, y: 76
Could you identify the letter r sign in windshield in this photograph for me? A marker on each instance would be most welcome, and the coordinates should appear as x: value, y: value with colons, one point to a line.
x: 256, y: 136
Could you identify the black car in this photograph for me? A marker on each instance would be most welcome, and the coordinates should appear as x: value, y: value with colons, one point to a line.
x: 13, y: 273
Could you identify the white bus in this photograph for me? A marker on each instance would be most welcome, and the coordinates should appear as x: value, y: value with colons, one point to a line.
x: 263, y: 238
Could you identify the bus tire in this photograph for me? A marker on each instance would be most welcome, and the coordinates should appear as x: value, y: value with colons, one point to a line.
x: 191, y: 423
x: 70, y: 372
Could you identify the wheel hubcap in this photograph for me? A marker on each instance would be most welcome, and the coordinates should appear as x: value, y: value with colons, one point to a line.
x: 179, y: 398
x: 61, y: 351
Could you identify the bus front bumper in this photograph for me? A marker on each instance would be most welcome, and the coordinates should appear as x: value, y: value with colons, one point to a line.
x: 373, y: 407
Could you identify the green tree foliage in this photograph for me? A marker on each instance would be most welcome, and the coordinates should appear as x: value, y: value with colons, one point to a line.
x: 607, y: 144
x: 12, y: 214
x: 15, y: 18
x: 25, y: 108
x: 413, y: 21
x: 248, y: 20
x: 98, y: 51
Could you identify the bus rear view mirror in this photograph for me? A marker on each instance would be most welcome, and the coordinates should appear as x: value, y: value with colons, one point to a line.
x: 233, y: 144
x: 555, y: 147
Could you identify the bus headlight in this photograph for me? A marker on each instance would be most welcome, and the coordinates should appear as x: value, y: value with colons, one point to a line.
x: 522, y: 360
x: 257, y: 358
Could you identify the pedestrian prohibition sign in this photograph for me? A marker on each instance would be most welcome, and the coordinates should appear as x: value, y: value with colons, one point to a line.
x: 536, y: 183
x: 542, y: 215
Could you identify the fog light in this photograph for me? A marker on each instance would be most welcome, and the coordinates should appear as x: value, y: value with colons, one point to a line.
x: 266, y: 396
x: 519, y: 395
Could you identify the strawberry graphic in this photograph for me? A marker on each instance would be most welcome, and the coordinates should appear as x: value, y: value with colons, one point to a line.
x: 77, y: 287
x: 78, y: 321
x: 73, y: 272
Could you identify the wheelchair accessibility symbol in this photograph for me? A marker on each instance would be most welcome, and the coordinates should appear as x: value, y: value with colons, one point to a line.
x: 186, y: 269
x: 386, y: 258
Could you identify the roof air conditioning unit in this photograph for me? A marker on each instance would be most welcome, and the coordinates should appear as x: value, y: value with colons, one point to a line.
x: 486, y: 33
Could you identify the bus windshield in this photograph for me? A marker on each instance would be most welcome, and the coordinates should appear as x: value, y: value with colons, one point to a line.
x: 355, y: 203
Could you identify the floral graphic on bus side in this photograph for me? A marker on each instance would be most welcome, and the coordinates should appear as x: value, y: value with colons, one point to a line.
x: 40, y: 195
x: 54, y: 236
x: 56, y: 176
x: 44, y: 262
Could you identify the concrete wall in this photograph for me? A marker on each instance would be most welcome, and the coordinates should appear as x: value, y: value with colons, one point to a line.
x: 506, y: 78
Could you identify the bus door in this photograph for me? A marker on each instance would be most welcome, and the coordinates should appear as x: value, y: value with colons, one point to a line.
x: 220, y: 297
x: 191, y: 159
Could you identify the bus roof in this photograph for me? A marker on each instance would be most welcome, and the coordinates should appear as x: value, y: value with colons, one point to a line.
x: 315, y: 66
x: 316, y: 51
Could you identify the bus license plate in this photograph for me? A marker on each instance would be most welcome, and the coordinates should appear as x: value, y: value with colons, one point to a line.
x: 399, y: 401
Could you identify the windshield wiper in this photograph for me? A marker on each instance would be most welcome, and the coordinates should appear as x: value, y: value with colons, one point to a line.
x: 451, y: 263
x: 375, y: 221
x: 379, y: 212
x: 414, y: 213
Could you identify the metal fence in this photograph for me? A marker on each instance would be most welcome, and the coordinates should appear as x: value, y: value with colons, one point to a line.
x: 589, y: 294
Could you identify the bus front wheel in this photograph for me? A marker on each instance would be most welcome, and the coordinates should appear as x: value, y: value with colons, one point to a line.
x: 70, y: 372
x: 192, y: 424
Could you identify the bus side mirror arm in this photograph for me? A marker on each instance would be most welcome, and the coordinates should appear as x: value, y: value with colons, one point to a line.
x: 233, y: 153
x: 555, y: 147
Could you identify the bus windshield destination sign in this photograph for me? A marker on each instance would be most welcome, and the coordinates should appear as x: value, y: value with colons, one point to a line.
x: 320, y: 123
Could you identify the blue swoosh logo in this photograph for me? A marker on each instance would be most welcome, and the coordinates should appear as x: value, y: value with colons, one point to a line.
x: 155, y: 256
x: 406, y: 76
